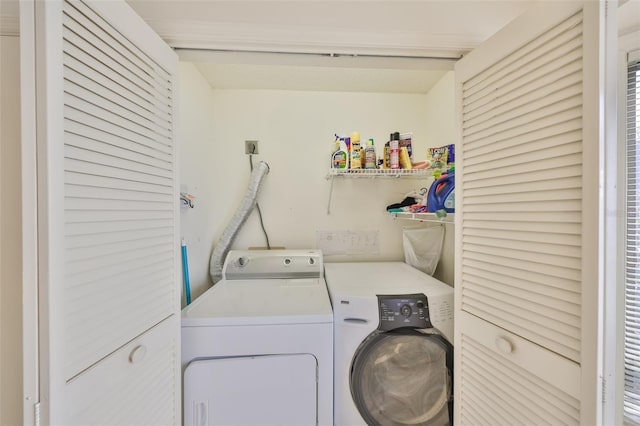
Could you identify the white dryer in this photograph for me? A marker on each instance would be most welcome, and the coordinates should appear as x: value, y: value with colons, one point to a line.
x: 393, y: 328
x: 257, y: 348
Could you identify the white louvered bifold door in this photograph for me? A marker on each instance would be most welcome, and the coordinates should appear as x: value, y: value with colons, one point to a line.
x: 108, y: 215
x: 526, y: 223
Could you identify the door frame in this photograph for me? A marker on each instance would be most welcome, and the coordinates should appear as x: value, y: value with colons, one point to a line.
x: 30, y: 330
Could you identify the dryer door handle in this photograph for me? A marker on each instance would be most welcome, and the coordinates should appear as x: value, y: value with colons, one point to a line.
x: 356, y: 321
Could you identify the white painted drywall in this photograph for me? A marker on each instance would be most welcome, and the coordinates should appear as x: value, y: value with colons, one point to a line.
x: 197, y: 172
x: 440, y: 127
x: 295, y: 132
x: 11, y: 241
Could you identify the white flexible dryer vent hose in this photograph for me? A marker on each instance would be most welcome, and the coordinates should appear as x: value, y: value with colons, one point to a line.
x: 239, y: 218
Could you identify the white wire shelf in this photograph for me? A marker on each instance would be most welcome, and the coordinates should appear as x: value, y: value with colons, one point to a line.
x: 375, y: 174
x: 424, y: 217
x: 378, y: 173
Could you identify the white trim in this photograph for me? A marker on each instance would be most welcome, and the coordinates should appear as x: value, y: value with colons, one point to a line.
x: 612, y: 167
x: 592, y: 202
x: 213, y: 56
x: 30, y: 359
x: 256, y: 37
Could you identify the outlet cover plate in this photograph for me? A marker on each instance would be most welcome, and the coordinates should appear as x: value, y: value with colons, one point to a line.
x: 248, y: 145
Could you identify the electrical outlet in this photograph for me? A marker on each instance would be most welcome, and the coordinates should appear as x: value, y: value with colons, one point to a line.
x: 251, y: 147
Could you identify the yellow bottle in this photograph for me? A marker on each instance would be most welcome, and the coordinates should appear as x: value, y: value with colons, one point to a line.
x: 405, y: 161
x: 356, y: 153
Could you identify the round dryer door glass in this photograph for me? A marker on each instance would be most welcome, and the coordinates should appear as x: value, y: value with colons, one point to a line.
x: 402, y: 379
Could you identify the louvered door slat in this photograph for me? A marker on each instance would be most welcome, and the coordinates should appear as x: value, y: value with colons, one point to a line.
x: 83, y: 153
x: 539, y: 236
x: 497, y: 71
x: 540, y: 280
x: 558, y: 249
x: 114, y: 117
x: 564, y: 301
x: 84, y: 191
x: 127, y: 135
x: 151, y: 153
x: 147, y: 62
x: 101, y: 90
x: 76, y: 56
x: 525, y: 253
x: 127, y: 273
x: 90, y: 230
x: 518, y: 305
x: 524, y: 155
x: 567, y: 183
x: 559, y: 80
x: 115, y: 152
x: 116, y: 54
x: 79, y: 63
x: 93, y: 181
x: 97, y: 169
x: 85, y: 240
x: 563, y: 130
x: 542, y: 227
x: 80, y: 40
x: 526, y: 197
x: 563, y: 110
x: 114, y: 104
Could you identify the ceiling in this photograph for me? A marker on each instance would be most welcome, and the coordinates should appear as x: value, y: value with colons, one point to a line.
x: 363, y: 45
x: 368, y: 46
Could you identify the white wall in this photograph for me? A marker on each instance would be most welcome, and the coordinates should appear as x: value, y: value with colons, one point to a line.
x: 441, y: 130
x: 295, y: 132
x: 197, y: 174
x: 10, y: 243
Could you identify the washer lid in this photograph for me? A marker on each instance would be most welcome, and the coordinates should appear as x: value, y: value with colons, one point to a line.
x: 261, y: 302
x: 378, y: 278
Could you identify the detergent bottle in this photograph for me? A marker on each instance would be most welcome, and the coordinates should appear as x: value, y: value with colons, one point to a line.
x: 370, y: 155
x: 355, y: 162
x: 441, y: 195
x: 340, y: 158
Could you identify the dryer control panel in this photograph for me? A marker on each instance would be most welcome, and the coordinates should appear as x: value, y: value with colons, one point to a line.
x: 271, y: 264
x: 406, y: 310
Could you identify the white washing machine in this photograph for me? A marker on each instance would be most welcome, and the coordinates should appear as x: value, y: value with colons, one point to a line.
x: 257, y: 348
x: 393, y: 328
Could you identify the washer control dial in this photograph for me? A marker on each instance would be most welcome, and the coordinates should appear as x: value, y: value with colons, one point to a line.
x: 405, y: 311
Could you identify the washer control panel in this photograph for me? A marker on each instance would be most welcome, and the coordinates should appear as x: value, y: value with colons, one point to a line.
x: 407, y: 310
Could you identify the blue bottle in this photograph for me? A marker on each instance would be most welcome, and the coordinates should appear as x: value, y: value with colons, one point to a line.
x: 441, y: 195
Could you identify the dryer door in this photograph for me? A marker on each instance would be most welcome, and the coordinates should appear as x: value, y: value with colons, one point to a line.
x: 403, y: 377
x: 273, y: 390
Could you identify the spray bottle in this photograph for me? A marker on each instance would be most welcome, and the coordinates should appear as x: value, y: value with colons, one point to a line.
x: 340, y: 158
